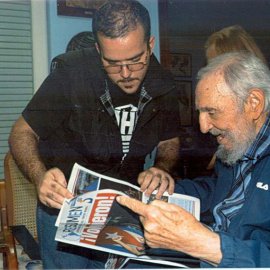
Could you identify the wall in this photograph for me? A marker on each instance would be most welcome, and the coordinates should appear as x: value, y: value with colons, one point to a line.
x: 39, y: 42
x: 191, y: 22
x: 62, y: 28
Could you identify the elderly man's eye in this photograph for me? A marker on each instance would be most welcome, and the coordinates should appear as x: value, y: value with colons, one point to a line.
x: 212, y: 113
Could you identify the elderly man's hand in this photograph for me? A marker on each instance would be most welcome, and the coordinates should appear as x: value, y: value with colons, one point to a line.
x: 52, y: 190
x: 171, y: 227
x: 154, y: 178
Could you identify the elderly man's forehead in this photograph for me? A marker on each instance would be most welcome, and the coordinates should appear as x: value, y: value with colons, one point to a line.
x: 212, y: 92
x: 215, y: 83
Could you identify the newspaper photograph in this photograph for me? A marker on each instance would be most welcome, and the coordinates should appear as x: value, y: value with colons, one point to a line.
x: 94, y: 219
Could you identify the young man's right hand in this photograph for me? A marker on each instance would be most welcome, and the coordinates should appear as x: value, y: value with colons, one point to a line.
x: 52, y: 189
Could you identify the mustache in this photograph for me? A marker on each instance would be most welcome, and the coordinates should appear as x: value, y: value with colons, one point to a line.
x: 127, y: 80
x: 216, y: 132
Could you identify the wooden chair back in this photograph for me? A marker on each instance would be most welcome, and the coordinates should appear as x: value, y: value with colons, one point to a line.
x: 18, y: 201
x: 21, y: 197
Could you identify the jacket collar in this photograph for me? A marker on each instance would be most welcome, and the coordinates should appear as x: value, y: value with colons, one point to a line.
x: 158, y: 80
x: 261, y: 144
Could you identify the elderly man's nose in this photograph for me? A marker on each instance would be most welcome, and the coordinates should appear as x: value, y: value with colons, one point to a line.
x: 205, y: 123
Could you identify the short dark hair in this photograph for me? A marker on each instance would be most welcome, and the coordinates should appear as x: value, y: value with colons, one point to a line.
x: 117, y: 18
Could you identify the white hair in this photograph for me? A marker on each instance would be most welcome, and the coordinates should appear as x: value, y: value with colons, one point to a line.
x: 242, y: 72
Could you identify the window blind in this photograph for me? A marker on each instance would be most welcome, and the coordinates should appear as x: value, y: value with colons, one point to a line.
x: 16, y: 80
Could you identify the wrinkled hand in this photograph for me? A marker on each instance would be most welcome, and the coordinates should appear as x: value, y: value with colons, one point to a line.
x: 164, y: 224
x: 53, y: 189
x: 169, y: 226
x: 154, y: 178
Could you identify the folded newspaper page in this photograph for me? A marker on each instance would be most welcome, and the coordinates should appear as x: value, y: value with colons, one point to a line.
x: 94, y: 219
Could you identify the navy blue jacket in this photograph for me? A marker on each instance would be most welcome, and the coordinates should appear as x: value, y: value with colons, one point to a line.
x: 247, y: 241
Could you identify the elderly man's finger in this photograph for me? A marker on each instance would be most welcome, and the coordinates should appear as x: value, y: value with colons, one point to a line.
x: 133, y: 204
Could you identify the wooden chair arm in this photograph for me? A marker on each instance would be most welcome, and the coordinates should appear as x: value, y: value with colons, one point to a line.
x: 8, y: 249
x: 7, y: 244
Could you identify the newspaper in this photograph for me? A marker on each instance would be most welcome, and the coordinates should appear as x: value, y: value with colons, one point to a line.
x: 93, y: 218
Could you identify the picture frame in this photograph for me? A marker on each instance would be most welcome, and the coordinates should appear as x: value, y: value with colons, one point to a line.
x: 181, y: 64
x: 78, y: 8
x: 185, y: 101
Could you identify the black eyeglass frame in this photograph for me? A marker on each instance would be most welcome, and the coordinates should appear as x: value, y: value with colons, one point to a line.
x: 143, y: 64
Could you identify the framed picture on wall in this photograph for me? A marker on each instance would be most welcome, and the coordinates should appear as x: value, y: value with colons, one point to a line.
x: 184, y: 90
x: 78, y: 8
x: 180, y: 64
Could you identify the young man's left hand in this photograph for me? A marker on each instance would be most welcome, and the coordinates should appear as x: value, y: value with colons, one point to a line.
x: 155, y: 178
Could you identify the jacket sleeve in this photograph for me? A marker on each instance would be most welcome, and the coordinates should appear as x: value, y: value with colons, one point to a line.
x: 246, y: 244
x: 50, y: 105
x: 241, y: 253
x: 252, y: 251
x: 201, y: 188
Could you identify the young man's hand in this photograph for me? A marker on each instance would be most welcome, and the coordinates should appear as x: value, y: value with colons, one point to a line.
x: 155, y: 178
x: 52, y: 190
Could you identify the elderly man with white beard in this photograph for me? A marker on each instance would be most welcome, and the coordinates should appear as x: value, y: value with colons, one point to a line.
x: 233, y: 100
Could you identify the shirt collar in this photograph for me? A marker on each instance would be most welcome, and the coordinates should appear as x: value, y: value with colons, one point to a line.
x: 261, y: 142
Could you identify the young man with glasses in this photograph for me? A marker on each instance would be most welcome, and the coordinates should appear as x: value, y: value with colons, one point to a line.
x: 105, y: 108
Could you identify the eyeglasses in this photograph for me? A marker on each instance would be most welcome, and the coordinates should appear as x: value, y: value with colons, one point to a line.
x: 114, y: 69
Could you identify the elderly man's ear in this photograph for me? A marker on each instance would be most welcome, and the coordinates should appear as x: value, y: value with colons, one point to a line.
x: 255, y: 103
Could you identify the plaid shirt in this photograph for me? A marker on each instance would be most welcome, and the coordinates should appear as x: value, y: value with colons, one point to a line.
x: 107, y: 101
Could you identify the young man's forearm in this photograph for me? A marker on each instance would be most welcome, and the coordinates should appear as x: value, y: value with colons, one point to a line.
x: 167, y: 156
x: 23, y: 145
